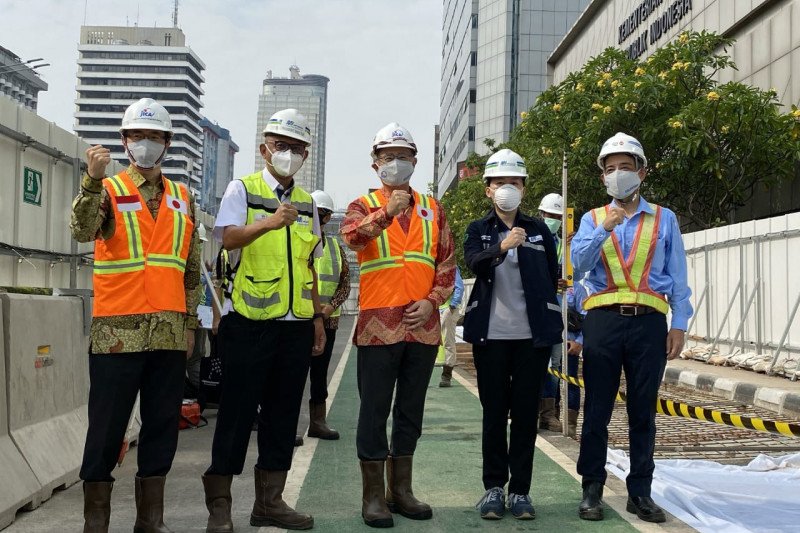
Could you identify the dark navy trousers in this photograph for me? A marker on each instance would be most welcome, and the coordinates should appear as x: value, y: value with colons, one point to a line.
x: 637, y: 345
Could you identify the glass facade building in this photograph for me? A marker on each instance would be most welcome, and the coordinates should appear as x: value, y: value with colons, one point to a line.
x: 494, y: 65
x: 308, y: 94
x: 219, y: 151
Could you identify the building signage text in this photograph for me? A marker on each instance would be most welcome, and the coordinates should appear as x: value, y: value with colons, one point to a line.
x: 661, y: 25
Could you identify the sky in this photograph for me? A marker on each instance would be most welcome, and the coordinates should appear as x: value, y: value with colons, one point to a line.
x: 383, y: 58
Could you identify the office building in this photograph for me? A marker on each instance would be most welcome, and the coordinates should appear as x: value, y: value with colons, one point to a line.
x: 219, y: 151
x: 18, y: 79
x: 308, y: 93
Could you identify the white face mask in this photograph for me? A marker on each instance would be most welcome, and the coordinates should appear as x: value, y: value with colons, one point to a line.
x: 620, y: 184
x: 396, y: 173
x: 553, y: 224
x: 285, y: 163
x: 146, y: 154
x: 507, y: 197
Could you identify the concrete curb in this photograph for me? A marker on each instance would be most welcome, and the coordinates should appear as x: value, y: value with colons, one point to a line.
x: 780, y: 401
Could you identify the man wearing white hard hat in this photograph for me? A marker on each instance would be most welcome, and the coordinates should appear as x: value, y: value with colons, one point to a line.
x: 271, y: 328
x: 146, y: 274
x: 512, y: 320
x: 551, y: 210
x: 635, y: 261
x: 407, y: 270
x: 334, y: 288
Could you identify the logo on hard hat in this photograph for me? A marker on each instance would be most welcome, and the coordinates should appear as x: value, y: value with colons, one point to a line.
x: 398, y: 133
x: 290, y: 122
x: 146, y: 113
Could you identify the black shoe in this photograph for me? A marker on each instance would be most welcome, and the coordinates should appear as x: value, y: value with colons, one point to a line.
x: 298, y: 440
x: 645, y: 508
x: 591, y: 507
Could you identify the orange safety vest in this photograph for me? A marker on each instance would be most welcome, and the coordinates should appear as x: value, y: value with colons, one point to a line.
x: 627, y: 280
x: 140, y: 268
x: 398, y: 268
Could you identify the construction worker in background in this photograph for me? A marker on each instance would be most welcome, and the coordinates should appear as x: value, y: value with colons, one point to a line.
x: 450, y: 315
x: 334, y: 288
x: 635, y: 261
x: 192, y: 390
x: 551, y: 209
x: 146, y: 275
x: 271, y: 230
x: 512, y: 320
x: 407, y: 266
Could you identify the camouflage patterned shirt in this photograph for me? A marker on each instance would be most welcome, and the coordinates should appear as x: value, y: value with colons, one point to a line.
x: 92, y: 218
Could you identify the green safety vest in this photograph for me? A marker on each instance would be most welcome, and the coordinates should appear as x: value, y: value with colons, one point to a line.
x: 273, y: 275
x: 329, y: 269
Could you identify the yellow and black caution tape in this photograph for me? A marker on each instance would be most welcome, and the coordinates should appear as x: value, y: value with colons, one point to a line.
x: 679, y: 409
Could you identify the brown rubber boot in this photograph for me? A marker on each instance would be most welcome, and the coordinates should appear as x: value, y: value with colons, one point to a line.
x: 399, y: 496
x: 447, y: 376
x: 548, y: 417
x: 149, y: 493
x: 319, y: 425
x: 218, y: 503
x: 572, y: 424
x: 374, y: 510
x: 96, y: 506
x: 269, y: 508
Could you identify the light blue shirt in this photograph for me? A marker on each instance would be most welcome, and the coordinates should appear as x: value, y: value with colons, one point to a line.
x: 668, y: 274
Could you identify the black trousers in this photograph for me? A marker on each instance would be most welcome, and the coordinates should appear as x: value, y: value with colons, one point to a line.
x: 114, y: 381
x: 510, y: 376
x: 406, y: 367
x: 266, y: 364
x: 613, y: 343
x: 318, y: 374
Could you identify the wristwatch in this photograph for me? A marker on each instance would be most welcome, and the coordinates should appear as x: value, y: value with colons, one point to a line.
x: 318, y: 315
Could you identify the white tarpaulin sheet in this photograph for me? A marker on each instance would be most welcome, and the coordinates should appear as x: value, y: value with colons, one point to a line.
x: 763, y: 496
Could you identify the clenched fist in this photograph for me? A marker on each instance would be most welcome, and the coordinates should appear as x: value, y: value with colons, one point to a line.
x: 97, y: 159
x: 284, y: 216
x: 398, y: 202
x: 515, y: 237
x: 615, y: 217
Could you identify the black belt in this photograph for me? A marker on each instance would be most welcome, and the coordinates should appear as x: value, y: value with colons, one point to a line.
x: 630, y: 310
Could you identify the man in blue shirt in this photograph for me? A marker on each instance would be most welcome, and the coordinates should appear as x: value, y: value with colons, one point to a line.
x: 450, y: 314
x: 636, y: 263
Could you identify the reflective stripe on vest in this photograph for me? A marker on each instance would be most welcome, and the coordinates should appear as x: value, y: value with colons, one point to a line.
x: 273, y: 275
x: 398, y: 267
x: 140, y: 268
x: 329, y: 270
x: 627, y: 279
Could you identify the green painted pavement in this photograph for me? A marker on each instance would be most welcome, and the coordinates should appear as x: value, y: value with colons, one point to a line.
x: 447, y: 472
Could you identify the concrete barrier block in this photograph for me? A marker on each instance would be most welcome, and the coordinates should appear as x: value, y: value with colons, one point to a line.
x: 47, y: 385
x: 725, y: 387
x: 19, y: 487
x: 769, y: 398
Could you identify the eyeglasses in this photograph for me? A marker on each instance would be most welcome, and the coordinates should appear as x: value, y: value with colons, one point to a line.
x: 281, y: 146
x: 390, y: 158
x: 156, y: 136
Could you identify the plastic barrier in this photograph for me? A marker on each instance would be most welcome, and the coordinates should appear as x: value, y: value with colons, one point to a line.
x: 19, y: 487
x: 46, y: 386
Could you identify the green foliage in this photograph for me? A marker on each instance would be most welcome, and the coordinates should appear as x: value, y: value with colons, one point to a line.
x: 464, y: 204
x: 709, y: 145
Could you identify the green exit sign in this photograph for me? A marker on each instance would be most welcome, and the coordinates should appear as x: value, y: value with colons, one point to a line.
x: 32, y: 187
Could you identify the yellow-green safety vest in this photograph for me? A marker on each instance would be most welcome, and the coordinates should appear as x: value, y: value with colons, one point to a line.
x: 628, y: 277
x: 274, y: 275
x: 329, y: 269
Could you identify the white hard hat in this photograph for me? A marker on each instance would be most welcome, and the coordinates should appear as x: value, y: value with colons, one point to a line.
x: 201, y: 233
x: 552, y: 203
x: 146, y: 114
x: 323, y: 200
x: 621, y: 143
x: 289, y: 123
x: 505, y: 162
x: 393, y: 134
